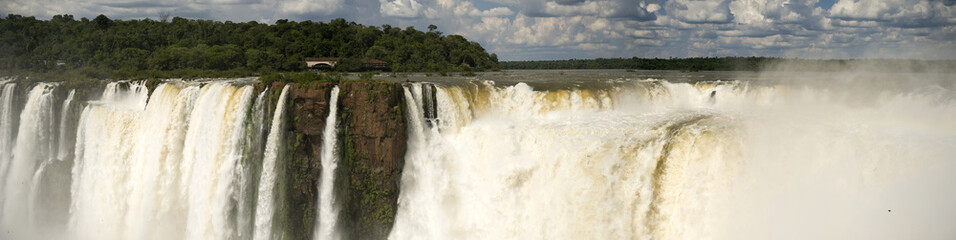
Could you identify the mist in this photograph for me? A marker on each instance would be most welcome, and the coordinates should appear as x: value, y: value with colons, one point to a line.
x: 862, y: 152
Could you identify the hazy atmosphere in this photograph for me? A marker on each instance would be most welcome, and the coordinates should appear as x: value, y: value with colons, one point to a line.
x: 563, y: 29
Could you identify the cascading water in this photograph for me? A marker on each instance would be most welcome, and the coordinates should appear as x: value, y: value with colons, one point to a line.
x: 249, y: 171
x: 265, y: 207
x: 165, y: 169
x: 658, y: 160
x: 6, y: 135
x: 212, y: 150
x: 328, y: 214
x: 34, y: 144
x: 65, y: 144
x: 504, y: 159
x: 180, y: 163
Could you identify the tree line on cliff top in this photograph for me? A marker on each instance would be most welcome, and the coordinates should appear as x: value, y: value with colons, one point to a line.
x: 104, y: 47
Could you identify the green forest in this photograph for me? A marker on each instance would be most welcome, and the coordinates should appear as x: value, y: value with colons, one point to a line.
x: 107, y: 48
x: 737, y: 64
x: 689, y: 64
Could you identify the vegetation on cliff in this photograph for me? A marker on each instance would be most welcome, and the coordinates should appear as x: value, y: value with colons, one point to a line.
x: 373, y: 146
x: 371, y: 132
x: 107, y: 48
x: 300, y: 77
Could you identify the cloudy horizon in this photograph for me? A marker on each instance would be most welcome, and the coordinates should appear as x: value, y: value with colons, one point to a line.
x: 565, y: 29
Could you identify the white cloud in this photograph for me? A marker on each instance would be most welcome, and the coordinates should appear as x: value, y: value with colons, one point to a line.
x: 223, y: 1
x: 865, y: 10
x: 698, y: 11
x: 626, y: 9
x: 597, y: 28
x: 648, y: 42
x: 901, y: 13
x: 596, y: 47
x: 494, y: 12
x: 40, y: 8
x: 311, y: 6
x: 467, y: 9
x: 769, y: 12
x: 45, y: 9
x: 400, y: 8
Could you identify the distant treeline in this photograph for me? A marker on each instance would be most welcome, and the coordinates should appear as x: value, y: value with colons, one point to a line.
x: 737, y: 64
x: 102, y: 47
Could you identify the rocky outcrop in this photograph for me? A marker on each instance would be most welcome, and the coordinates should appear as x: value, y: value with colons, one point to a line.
x: 372, y: 136
x: 308, y: 108
x: 373, y: 143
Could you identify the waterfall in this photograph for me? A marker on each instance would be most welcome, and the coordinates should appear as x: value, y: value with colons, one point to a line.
x: 175, y: 165
x: 265, y: 209
x: 6, y: 134
x: 250, y: 167
x: 34, y: 143
x: 416, y: 163
x: 165, y: 169
x: 109, y: 94
x: 65, y: 139
x: 328, y: 214
x: 43, y: 185
x: 103, y: 152
x: 211, y: 182
x: 651, y: 159
x: 495, y: 158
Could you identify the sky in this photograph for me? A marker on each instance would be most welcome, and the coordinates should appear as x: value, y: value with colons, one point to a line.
x: 583, y: 29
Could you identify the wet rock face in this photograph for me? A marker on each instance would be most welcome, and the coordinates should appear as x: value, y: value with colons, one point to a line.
x: 373, y: 146
x: 372, y: 138
x: 308, y: 109
x: 374, y: 113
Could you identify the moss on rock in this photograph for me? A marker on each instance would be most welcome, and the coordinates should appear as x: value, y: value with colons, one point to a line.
x: 372, y: 138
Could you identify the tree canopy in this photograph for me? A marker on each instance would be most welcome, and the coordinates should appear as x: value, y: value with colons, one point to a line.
x: 104, y: 45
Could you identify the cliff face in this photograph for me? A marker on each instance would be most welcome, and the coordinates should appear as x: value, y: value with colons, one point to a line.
x: 373, y: 143
x: 308, y: 107
x: 371, y: 130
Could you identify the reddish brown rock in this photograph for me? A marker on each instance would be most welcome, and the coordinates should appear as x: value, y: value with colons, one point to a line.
x: 371, y: 141
x: 374, y: 155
